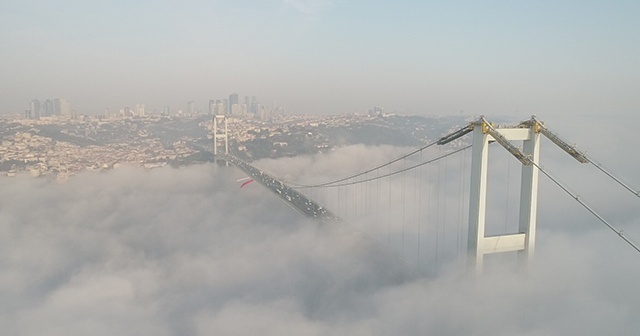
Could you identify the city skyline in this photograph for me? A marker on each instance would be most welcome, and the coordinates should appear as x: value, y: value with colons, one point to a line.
x: 326, y: 57
x: 61, y: 106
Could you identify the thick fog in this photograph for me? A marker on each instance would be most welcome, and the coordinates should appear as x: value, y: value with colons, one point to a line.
x: 188, y: 252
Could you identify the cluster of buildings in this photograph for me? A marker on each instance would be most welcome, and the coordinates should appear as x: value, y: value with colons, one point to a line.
x: 138, y: 111
x: 246, y: 130
x: 48, y: 108
x: 251, y: 108
x: 51, y: 140
x: 28, y: 150
x: 289, y: 134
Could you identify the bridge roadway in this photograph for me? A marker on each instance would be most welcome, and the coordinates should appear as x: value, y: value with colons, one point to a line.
x: 296, y: 200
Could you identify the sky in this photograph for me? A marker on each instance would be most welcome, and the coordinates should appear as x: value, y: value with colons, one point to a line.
x: 186, y: 251
x: 323, y: 56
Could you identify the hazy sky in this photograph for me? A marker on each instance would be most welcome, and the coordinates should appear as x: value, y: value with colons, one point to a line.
x: 322, y: 56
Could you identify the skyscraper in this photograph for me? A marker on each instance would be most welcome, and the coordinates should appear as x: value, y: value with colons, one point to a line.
x: 254, y: 105
x: 34, y: 107
x: 61, y: 107
x: 233, y: 100
x: 65, y: 107
x: 139, y: 110
x: 220, y: 108
x: 57, y: 107
x: 47, y: 111
x: 191, y: 108
x: 212, y: 106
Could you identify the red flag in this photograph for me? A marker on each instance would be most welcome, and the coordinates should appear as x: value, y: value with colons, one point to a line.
x: 245, y: 183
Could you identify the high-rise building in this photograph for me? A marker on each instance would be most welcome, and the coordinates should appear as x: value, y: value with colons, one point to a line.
x: 48, y: 109
x: 34, y: 108
x: 265, y: 112
x: 243, y: 110
x: 220, y: 108
x: 61, y: 107
x: 57, y: 107
x: 233, y: 100
x: 212, y: 106
x: 254, y: 105
x: 139, y: 110
x: 376, y: 111
x: 236, y: 110
x: 165, y: 110
x: 191, y: 108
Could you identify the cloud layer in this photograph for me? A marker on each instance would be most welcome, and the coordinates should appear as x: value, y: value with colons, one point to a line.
x: 187, y: 252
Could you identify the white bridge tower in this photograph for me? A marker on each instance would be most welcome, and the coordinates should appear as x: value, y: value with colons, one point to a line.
x: 220, y: 135
x: 522, y: 241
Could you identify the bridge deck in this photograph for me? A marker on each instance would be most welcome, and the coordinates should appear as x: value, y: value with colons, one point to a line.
x: 295, y: 199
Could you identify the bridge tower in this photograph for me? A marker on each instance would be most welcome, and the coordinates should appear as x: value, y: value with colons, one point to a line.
x: 522, y: 241
x: 220, y: 135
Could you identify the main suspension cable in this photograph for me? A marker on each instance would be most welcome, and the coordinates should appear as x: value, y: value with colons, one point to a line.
x: 588, y: 208
x: 325, y: 184
x: 606, y: 172
x: 392, y: 173
x: 582, y: 157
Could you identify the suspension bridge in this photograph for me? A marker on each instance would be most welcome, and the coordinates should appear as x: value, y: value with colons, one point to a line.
x: 430, y: 205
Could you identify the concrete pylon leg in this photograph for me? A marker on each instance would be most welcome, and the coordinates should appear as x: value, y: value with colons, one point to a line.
x: 220, y: 134
x: 478, y: 198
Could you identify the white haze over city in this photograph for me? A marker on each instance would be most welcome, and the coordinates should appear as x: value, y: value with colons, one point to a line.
x: 324, y: 56
x: 187, y: 252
